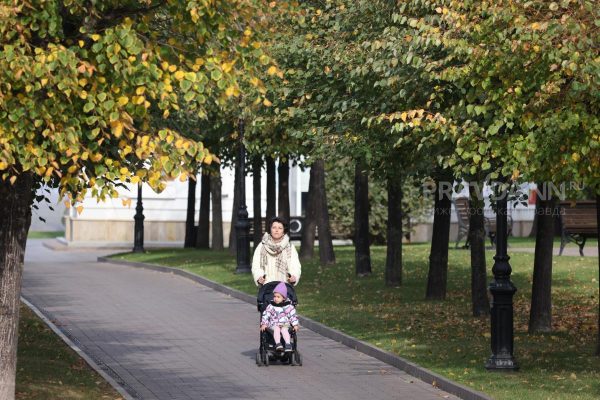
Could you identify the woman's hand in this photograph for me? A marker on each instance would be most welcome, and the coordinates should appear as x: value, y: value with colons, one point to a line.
x: 296, y: 328
x: 261, y: 280
x: 263, y: 328
x: 292, y: 279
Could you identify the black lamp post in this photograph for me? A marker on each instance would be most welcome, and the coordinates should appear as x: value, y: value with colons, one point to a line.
x: 502, y: 290
x: 242, y: 225
x: 138, y: 233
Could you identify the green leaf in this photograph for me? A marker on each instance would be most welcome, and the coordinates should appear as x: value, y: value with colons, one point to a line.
x: 88, y: 107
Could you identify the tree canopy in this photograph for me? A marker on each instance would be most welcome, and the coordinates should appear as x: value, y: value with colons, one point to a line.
x: 88, y: 87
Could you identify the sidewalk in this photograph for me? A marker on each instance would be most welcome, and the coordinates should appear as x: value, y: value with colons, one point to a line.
x: 569, y: 251
x: 164, y: 337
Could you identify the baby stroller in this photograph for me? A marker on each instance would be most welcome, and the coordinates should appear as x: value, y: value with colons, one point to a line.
x: 266, y: 352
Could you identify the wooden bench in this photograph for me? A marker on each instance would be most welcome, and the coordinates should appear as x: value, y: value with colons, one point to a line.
x: 461, y: 205
x: 578, y: 220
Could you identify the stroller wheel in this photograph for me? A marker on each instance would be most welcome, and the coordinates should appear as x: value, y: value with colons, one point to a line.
x: 258, y: 360
x: 298, y: 358
x: 265, y: 358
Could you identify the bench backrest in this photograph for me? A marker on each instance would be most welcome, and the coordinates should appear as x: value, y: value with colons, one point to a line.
x: 579, y: 217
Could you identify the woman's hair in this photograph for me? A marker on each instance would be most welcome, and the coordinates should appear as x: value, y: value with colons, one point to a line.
x: 281, y: 221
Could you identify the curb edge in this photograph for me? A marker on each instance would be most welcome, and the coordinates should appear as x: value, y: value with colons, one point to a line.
x: 409, y: 367
x: 78, y: 350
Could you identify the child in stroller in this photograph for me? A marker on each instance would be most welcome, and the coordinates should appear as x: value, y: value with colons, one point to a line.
x: 275, y: 303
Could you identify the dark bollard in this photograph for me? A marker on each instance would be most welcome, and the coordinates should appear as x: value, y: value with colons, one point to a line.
x: 138, y: 233
x: 502, y: 290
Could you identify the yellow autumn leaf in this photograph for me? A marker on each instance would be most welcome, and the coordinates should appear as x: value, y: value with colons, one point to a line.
x: 135, y: 179
x: 13, y: 179
x: 117, y: 128
x: 95, y: 37
x: 126, y: 202
x: 267, y: 103
x: 123, y: 100
x: 79, y: 209
x: 208, y: 159
x: 123, y: 171
x: 179, y: 75
x: 230, y: 91
x: 227, y: 67
x: 403, y: 116
x: 272, y: 70
x: 515, y: 174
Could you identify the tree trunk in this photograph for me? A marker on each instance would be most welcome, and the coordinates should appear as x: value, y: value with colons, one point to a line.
x: 534, y: 225
x: 479, y: 297
x: 326, y: 253
x: 362, y: 255
x: 190, y: 224
x: 393, y: 261
x: 438, y: 257
x: 598, y: 231
x: 540, y: 315
x: 204, y: 218
x: 234, y: 211
x: 217, y: 211
x: 15, y: 218
x: 284, y: 189
x: 271, y: 189
x: 307, y: 245
x: 257, y: 199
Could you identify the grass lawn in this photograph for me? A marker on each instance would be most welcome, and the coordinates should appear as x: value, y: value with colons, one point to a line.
x: 44, y: 234
x: 443, y: 336
x: 48, y: 369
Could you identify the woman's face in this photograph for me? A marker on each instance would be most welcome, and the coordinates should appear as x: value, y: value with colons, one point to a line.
x: 277, y: 231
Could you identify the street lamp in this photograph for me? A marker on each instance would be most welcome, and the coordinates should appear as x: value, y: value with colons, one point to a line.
x: 138, y: 233
x: 242, y: 225
x: 502, y: 290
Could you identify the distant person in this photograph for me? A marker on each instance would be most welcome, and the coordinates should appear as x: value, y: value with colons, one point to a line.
x: 275, y: 258
x: 279, y: 317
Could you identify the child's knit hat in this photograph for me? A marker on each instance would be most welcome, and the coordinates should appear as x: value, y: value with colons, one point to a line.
x: 281, y: 289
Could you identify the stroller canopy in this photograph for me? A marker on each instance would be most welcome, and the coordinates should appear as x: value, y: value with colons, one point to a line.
x: 265, y: 294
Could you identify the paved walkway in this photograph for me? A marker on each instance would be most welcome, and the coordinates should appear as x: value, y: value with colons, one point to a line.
x: 164, y: 337
x: 571, y: 250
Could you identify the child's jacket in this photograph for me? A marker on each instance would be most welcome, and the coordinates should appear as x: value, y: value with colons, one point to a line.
x: 282, y: 314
